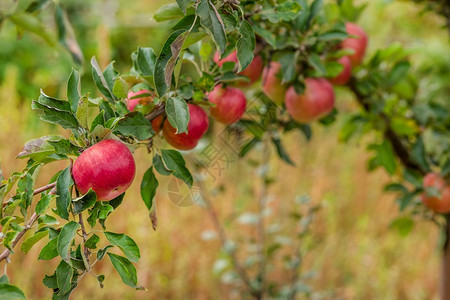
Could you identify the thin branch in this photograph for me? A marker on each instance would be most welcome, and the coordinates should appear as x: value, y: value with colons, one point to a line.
x: 224, y: 241
x: 5, y: 254
x: 159, y: 110
x: 37, y: 191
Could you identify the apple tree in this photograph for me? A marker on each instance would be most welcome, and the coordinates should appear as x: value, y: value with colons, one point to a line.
x: 290, y: 55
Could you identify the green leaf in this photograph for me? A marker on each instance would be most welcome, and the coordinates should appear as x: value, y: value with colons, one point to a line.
x: 84, y: 202
x: 136, y: 125
x: 101, y: 253
x: 281, y: 151
x: 286, y: 11
x: 403, y: 225
x: 398, y: 72
x: 39, y: 148
x: 120, y: 89
x: 104, y: 81
x: 165, y: 63
x: 74, y: 89
x: 266, y: 34
x: 49, y: 251
x: 92, y: 242
x: 66, y: 36
x: 419, y: 155
x: 126, y: 244
x: 315, y: 62
x: 245, y: 45
x: 174, y: 161
x: 287, y: 67
x: 31, y: 23
x: 65, y: 238
x: 126, y: 270
x: 183, y: 4
x: 385, y: 156
x: 82, y: 112
x: 177, y: 112
x: 50, y: 281
x: 55, y: 116
x: 98, y: 120
x: 64, y: 274
x: 63, y: 192
x: 149, y: 185
x: 4, y: 279
x: 159, y: 166
x: 146, y: 60
x: 168, y: 12
x: 10, y: 292
x: 211, y: 20
x: 29, y: 242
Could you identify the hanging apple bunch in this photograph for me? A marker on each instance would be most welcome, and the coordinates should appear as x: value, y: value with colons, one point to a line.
x: 286, y: 55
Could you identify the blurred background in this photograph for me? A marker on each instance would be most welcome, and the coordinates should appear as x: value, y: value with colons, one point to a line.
x: 352, y: 250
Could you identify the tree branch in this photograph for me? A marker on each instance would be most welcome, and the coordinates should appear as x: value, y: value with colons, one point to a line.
x: 5, y: 254
x: 224, y: 241
x: 159, y: 110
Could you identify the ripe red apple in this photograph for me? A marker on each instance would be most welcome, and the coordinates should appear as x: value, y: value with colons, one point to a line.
x: 316, y: 101
x: 132, y: 103
x: 230, y: 104
x: 272, y: 86
x: 346, y: 73
x: 197, y: 127
x: 107, y: 167
x: 436, y: 204
x: 253, y: 71
x: 157, y: 123
x: 358, y: 44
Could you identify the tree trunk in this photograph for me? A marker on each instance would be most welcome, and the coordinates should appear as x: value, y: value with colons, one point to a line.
x: 445, y: 281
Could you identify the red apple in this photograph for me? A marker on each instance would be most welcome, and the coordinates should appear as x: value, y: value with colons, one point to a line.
x: 436, y: 204
x: 272, y: 86
x: 230, y: 104
x: 132, y: 103
x: 316, y: 101
x: 253, y: 71
x: 358, y: 44
x: 157, y: 123
x: 197, y: 127
x: 107, y: 168
x: 346, y: 73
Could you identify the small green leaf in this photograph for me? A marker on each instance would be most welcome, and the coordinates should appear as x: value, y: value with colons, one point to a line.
x: 120, y: 88
x: 126, y: 270
x: 63, y: 187
x: 4, y: 279
x: 211, y: 20
x: 146, y: 60
x: 10, y: 292
x: 403, y: 225
x: 174, y: 161
x: 55, y: 116
x: 281, y: 151
x: 159, y: 166
x: 136, y: 125
x: 183, y: 4
x: 92, y: 242
x: 65, y: 238
x: 149, y: 186
x: 104, y: 81
x: 101, y: 253
x: 84, y: 202
x: 316, y: 63
x: 177, y: 112
x: 245, y: 45
x: 74, y: 90
x: 165, y: 63
x: 126, y: 244
x: 64, y: 274
x: 82, y: 112
x: 29, y: 242
x: 168, y: 12
x: 49, y: 251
